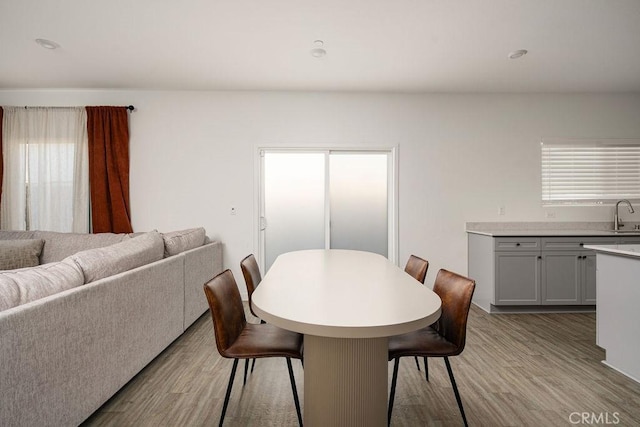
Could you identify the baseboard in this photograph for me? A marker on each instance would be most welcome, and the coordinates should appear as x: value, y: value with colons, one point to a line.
x: 520, y: 309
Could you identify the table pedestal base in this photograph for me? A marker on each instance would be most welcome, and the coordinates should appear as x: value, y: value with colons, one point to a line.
x: 345, y: 381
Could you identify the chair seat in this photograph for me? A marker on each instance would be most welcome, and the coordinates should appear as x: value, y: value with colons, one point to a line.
x: 265, y: 340
x: 425, y: 342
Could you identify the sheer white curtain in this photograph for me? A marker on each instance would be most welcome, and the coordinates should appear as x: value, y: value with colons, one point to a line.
x: 46, y: 169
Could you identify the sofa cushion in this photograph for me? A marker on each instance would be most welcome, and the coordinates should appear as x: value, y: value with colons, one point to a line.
x: 15, y: 234
x: 176, y: 242
x: 29, y: 284
x: 58, y: 246
x: 104, y: 262
x: 20, y: 253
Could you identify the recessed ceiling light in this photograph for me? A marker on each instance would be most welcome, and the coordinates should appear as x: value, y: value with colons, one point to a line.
x: 518, y: 53
x: 47, y: 44
x: 318, y: 51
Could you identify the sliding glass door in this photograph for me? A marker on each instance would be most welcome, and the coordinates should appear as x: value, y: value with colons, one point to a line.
x: 327, y: 199
x: 294, y: 203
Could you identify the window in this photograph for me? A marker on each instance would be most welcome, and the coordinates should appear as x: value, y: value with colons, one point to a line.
x: 46, y: 178
x: 583, y: 172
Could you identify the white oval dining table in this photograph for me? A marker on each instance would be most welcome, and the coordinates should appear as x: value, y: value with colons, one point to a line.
x: 346, y: 303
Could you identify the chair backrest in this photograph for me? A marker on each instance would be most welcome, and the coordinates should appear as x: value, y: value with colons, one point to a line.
x: 417, y: 268
x: 226, y: 307
x: 456, y: 292
x: 252, y: 276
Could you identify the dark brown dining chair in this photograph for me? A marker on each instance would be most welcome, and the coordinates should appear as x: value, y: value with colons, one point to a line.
x: 252, y: 279
x: 236, y: 339
x: 417, y: 268
x: 444, y: 338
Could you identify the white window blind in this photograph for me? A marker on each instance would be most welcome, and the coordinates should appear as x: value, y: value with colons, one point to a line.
x: 590, y: 171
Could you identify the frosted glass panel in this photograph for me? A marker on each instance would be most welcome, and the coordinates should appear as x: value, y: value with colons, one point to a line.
x: 294, y: 186
x: 358, y: 197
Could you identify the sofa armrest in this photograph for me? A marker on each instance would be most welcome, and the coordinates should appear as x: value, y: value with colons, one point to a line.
x: 200, y: 265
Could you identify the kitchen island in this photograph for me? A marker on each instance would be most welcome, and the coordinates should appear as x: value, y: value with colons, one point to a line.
x: 617, y: 312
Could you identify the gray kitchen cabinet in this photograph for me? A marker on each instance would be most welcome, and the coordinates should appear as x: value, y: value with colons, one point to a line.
x: 517, y: 279
x: 517, y: 271
x: 535, y: 270
x: 569, y: 278
x: 569, y: 270
x: 561, y: 282
x: 589, y: 278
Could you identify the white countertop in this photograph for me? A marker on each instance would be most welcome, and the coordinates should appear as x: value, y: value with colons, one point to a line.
x: 625, y: 250
x: 552, y: 233
x: 549, y: 229
x: 343, y: 294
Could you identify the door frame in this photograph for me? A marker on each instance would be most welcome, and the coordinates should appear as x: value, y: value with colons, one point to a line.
x: 392, y: 196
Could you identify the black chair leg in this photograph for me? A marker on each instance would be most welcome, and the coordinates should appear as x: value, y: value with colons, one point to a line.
x: 253, y: 363
x: 426, y: 369
x: 392, y: 394
x: 246, y: 368
x: 455, y: 390
x: 417, y: 364
x: 294, y: 389
x: 226, y: 397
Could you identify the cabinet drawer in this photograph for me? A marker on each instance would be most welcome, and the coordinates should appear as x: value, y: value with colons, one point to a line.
x: 574, y: 243
x: 517, y: 244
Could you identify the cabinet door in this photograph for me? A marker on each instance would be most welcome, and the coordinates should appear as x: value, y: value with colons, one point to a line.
x: 561, y: 278
x: 517, y: 278
x: 588, y: 278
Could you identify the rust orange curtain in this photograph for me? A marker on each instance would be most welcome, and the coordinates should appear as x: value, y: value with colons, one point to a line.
x: 108, y: 131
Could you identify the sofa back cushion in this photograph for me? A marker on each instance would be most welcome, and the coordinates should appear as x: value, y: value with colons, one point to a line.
x: 29, y: 284
x: 58, y: 246
x: 15, y: 234
x: 99, y: 263
x: 20, y: 253
x: 176, y: 242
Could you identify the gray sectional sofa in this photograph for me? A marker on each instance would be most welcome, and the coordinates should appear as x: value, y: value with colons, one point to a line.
x: 95, y: 310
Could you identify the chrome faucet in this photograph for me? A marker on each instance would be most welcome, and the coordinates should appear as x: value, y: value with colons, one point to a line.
x: 616, y: 219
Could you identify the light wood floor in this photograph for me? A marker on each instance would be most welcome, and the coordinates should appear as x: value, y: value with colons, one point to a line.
x: 516, y: 370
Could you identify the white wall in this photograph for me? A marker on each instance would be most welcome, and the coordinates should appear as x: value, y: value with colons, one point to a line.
x: 461, y: 156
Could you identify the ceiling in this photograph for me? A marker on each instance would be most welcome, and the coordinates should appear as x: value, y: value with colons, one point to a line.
x: 372, y: 45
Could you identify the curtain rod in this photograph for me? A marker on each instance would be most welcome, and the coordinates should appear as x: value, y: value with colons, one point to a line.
x: 128, y: 107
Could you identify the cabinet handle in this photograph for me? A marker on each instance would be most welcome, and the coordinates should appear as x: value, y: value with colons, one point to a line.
x: 517, y: 244
x: 539, y: 256
x: 581, y: 244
